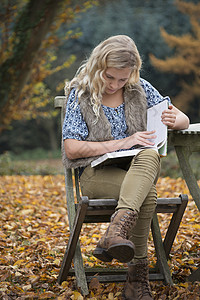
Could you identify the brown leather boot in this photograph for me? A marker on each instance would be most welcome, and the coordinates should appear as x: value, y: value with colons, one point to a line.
x: 137, y: 286
x: 114, y: 243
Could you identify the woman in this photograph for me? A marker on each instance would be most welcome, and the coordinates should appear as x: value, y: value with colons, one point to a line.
x: 106, y: 112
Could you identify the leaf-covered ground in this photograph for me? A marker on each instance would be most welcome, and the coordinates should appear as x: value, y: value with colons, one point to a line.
x: 34, y: 232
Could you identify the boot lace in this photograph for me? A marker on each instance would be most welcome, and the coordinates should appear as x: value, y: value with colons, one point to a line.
x: 126, y: 223
x: 144, y: 286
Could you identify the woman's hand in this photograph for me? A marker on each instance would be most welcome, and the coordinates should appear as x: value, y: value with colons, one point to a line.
x: 169, y: 117
x: 174, y: 118
x: 142, y: 138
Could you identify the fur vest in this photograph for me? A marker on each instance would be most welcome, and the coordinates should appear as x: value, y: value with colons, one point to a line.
x: 135, y: 114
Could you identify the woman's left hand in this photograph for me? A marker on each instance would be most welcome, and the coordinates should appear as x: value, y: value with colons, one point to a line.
x: 169, y: 117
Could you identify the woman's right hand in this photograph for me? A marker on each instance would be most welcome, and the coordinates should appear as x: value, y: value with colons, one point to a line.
x: 142, y: 138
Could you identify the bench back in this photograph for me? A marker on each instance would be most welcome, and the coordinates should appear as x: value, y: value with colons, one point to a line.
x: 73, y: 192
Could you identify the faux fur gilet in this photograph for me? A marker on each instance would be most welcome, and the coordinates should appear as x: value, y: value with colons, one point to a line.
x: 135, y: 114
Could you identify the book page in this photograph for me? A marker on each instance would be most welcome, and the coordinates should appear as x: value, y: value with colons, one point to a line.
x: 154, y: 123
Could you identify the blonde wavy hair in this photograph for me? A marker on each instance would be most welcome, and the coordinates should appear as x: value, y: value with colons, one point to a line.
x: 118, y: 52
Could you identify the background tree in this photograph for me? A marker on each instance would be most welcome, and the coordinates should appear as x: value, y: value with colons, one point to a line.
x: 141, y: 20
x: 186, y: 60
x: 30, y: 31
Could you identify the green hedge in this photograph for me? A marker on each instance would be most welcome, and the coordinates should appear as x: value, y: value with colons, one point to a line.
x: 43, y: 162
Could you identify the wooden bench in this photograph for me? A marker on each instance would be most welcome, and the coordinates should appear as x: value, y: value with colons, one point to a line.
x: 84, y: 210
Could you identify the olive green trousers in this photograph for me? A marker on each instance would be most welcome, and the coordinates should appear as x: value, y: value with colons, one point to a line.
x: 133, y: 183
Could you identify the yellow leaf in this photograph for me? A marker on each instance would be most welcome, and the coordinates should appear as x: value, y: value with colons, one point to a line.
x: 96, y: 235
x: 42, y: 231
x: 56, y: 262
x: 191, y: 262
x: 64, y: 284
x: 20, y: 289
x: 92, y: 294
x: 21, y: 249
x: 185, y: 284
x: 110, y: 296
x: 197, y: 226
x: 117, y: 294
x: 19, y: 262
x: 40, y: 240
x: 76, y: 296
x: 2, y: 235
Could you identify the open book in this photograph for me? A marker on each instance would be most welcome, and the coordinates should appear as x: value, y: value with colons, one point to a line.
x: 153, y: 123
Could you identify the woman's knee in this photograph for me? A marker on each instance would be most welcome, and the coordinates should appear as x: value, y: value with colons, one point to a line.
x: 149, y: 154
x: 148, y: 162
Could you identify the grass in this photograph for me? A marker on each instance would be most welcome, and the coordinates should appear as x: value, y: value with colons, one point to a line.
x: 33, y: 162
x: 35, y: 154
x: 42, y: 162
x: 170, y: 165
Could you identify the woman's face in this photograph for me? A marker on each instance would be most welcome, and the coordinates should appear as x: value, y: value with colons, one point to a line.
x: 116, y: 79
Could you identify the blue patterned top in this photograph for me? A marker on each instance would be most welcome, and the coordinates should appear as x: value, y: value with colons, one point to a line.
x: 74, y: 126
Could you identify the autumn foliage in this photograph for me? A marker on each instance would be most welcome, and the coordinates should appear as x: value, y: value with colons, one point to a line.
x: 30, y: 32
x: 34, y: 232
x: 186, y: 59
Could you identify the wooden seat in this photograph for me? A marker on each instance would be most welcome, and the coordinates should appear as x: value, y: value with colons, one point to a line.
x: 84, y: 210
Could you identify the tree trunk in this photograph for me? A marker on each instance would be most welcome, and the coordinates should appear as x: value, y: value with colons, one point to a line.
x: 30, y: 31
x: 49, y: 125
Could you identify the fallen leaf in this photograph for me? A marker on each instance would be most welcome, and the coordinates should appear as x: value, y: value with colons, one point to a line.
x: 94, y: 283
x: 35, y: 230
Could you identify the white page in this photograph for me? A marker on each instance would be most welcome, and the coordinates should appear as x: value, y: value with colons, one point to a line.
x: 154, y: 122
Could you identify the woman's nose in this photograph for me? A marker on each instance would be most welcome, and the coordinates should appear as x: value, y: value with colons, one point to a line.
x: 114, y: 84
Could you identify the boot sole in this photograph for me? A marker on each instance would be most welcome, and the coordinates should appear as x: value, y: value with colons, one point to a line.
x: 102, y: 254
x: 121, y: 252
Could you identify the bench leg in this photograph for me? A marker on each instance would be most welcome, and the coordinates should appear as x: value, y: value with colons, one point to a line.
x: 174, y: 225
x: 160, y: 251
x: 73, y: 251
